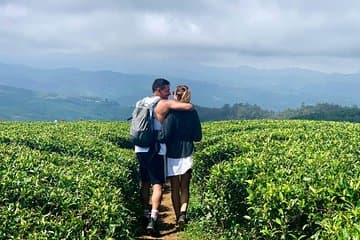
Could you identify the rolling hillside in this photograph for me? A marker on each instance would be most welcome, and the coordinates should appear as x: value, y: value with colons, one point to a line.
x: 211, y: 87
x: 22, y: 104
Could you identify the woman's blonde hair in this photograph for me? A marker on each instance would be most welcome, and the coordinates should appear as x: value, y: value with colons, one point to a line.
x: 182, y: 94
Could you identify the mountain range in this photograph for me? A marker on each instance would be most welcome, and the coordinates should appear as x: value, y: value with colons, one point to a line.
x: 17, y: 104
x: 211, y: 87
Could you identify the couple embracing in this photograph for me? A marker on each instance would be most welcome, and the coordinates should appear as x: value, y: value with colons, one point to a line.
x: 177, y: 126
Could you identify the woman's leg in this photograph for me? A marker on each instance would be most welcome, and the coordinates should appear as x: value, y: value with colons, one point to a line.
x: 184, y: 189
x: 175, y: 194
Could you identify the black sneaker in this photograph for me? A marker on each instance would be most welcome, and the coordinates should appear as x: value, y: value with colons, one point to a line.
x: 182, y: 221
x: 151, y: 228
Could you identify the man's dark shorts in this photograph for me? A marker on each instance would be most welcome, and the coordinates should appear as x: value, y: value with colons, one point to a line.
x: 152, y: 167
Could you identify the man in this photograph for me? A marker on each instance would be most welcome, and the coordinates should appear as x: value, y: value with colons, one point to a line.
x: 152, y: 164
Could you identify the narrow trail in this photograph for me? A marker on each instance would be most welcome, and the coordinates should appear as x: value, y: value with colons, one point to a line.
x: 167, y: 226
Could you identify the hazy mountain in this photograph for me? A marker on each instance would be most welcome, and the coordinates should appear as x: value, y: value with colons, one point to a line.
x: 282, y: 88
x: 211, y: 87
x: 22, y: 104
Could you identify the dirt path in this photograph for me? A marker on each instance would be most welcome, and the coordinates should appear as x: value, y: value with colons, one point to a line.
x: 167, y: 226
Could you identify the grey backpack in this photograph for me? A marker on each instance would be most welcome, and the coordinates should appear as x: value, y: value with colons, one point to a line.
x: 142, y: 131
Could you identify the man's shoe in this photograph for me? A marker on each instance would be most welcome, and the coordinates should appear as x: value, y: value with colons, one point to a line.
x: 151, y: 227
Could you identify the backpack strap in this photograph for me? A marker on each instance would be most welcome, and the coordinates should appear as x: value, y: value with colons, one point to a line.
x: 155, y: 148
x: 153, y: 105
x: 156, y: 100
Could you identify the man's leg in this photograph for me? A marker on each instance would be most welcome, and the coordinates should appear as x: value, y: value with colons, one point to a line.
x: 157, y: 178
x: 156, y: 196
x: 151, y: 228
x: 156, y: 200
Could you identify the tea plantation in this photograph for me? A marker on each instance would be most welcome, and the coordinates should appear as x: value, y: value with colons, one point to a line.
x: 261, y: 179
x: 277, y: 180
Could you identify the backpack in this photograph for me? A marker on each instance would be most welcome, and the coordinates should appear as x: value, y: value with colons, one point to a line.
x: 142, y: 131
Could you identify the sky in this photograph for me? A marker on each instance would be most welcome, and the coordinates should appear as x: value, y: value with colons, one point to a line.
x: 152, y: 36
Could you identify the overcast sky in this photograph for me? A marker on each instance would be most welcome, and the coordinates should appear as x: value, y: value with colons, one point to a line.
x: 148, y: 36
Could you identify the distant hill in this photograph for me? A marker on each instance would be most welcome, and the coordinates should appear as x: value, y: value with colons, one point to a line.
x: 211, y: 87
x: 17, y: 104
x: 21, y: 104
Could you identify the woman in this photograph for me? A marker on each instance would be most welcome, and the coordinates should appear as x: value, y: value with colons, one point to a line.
x: 179, y: 130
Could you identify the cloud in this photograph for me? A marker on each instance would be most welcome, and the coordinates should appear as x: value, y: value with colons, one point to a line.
x: 203, y: 31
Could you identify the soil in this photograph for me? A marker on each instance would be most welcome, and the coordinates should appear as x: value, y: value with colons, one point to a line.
x: 167, y: 227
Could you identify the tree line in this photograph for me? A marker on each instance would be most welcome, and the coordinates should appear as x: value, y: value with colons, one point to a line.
x: 320, y: 111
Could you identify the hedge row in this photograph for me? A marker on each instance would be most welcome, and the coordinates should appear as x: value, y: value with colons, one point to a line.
x: 67, y: 181
x: 290, y: 180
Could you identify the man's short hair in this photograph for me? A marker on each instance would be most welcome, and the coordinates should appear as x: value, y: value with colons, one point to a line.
x: 159, y: 83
